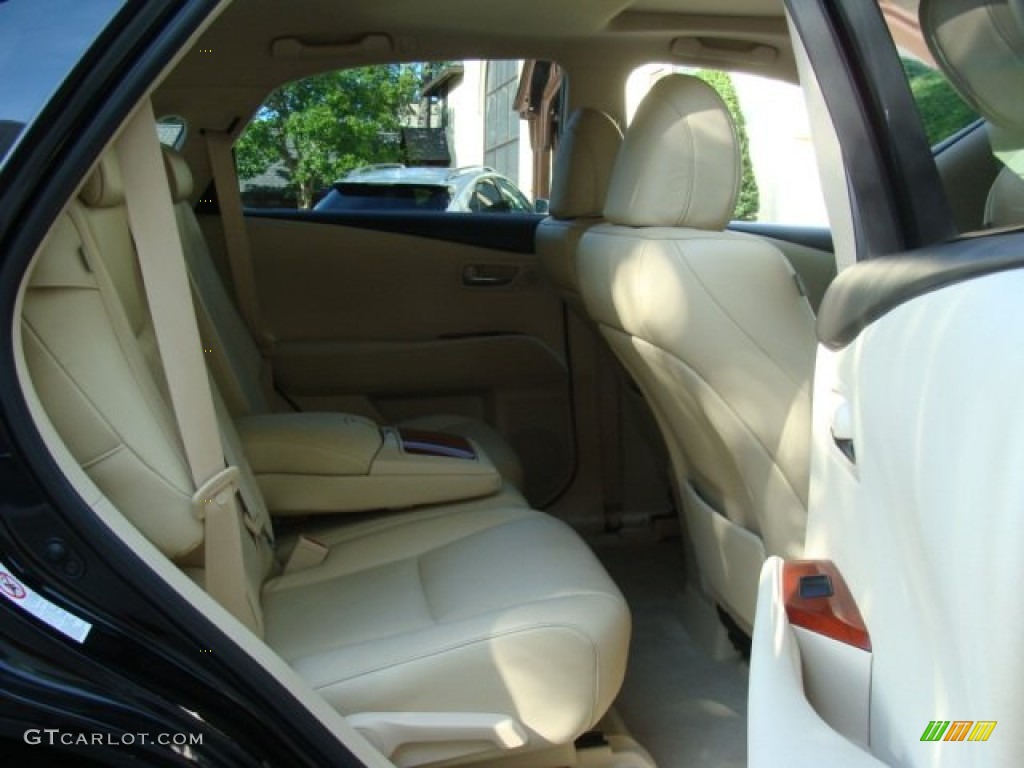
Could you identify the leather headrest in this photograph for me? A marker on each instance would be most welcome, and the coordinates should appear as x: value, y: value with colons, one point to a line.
x: 104, y: 188
x: 679, y: 165
x: 1005, y: 204
x: 179, y: 175
x: 583, y: 165
x: 979, y: 44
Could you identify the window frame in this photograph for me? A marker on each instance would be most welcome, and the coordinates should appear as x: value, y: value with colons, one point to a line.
x: 895, y: 191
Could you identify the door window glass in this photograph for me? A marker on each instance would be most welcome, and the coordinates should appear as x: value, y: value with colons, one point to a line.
x: 486, y: 198
x: 40, y: 43
x: 171, y: 130
x: 401, y: 137
x: 513, y: 197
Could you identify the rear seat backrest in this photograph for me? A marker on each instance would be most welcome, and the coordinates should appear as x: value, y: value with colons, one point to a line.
x: 85, y: 359
x: 88, y: 331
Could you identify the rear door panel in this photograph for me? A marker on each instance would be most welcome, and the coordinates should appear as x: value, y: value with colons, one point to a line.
x: 916, y: 489
x: 401, y: 325
x: 924, y: 522
x: 926, y: 525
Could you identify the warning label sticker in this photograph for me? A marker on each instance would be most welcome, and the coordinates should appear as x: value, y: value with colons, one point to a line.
x: 63, y: 621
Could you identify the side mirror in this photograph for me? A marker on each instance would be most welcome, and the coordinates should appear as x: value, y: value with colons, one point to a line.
x: 541, y: 206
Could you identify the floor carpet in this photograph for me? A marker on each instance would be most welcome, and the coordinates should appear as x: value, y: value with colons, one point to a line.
x: 685, y: 702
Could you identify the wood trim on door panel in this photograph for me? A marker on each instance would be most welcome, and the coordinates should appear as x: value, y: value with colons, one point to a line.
x: 833, y: 615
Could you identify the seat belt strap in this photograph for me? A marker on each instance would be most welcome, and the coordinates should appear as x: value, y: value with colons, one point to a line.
x: 162, y: 263
x: 236, y: 242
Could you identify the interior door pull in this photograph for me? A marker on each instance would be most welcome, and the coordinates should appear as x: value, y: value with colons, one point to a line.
x: 489, y: 275
x: 842, y: 431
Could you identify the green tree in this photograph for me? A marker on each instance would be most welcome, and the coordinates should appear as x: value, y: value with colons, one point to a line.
x: 313, y: 131
x: 748, y: 203
x: 942, y: 111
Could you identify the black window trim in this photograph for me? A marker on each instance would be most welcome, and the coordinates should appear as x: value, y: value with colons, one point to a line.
x: 897, y: 197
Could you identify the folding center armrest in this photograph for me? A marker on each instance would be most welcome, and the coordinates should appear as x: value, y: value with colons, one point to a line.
x: 331, y: 462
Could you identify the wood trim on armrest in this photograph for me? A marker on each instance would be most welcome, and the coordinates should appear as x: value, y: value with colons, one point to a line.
x: 422, y: 443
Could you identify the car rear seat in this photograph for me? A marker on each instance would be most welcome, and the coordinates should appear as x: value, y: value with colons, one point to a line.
x: 445, y: 616
x: 237, y: 362
x: 1004, y: 206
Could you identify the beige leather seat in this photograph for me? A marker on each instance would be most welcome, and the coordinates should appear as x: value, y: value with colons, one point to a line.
x: 955, y: 33
x: 715, y: 331
x: 237, y: 364
x: 579, y: 183
x: 428, y: 627
x: 1005, y: 204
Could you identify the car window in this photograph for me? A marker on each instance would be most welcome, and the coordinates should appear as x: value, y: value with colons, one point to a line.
x: 355, y: 196
x: 780, y: 183
x: 486, y: 198
x: 513, y: 197
x: 943, y: 112
x: 398, y: 137
x: 171, y: 130
x: 27, y: 79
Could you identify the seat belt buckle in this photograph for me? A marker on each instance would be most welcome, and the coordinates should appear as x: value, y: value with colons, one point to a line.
x: 219, y: 489
x: 308, y: 553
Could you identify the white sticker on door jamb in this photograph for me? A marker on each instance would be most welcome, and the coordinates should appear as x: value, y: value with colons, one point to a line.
x: 49, y: 613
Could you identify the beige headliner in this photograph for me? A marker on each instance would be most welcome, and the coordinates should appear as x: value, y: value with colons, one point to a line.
x: 232, y: 68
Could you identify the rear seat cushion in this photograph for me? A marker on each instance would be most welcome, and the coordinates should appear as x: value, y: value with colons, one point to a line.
x: 465, y: 609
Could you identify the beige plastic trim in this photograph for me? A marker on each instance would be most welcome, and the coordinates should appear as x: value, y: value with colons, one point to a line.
x: 828, y: 153
x: 382, y: 367
x: 837, y: 680
x: 295, y: 48
x: 415, y: 738
x: 696, y: 48
x: 723, y: 548
x: 783, y: 728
